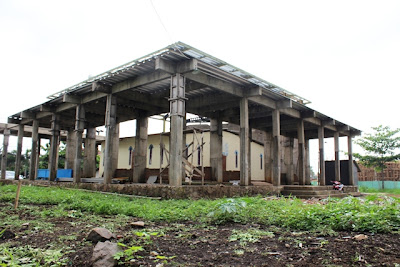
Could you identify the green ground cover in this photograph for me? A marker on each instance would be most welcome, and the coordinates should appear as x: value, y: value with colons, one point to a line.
x: 374, y: 213
x: 373, y: 190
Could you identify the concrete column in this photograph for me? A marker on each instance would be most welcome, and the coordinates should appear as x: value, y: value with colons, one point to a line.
x: 307, y: 162
x: 34, y: 151
x: 216, y: 149
x: 70, y: 149
x: 6, y: 137
x: 321, y: 155
x: 89, y: 154
x: 19, y: 151
x: 244, y: 142
x: 184, y: 144
x: 115, y: 148
x: 301, y: 152
x: 79, y: 127
x: 249, y: 140
x: 54, y: 147
x: 351, y: 165
x: 140, y: 149
x: 276, y: 143
x: 268, y: 157
x: 177, y: 113
x: 37, y: 166
x: 289, y: 161
x: 110, y: 124
x: 337, y: 159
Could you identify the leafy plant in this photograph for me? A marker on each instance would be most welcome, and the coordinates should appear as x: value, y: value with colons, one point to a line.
x: 226, y: 210
x: 127, y: 254
x: 249, y: 236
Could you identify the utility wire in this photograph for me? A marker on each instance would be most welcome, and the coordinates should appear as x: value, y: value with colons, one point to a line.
x: 165, y: 29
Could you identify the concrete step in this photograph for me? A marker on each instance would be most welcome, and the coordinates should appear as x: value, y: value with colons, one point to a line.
x: 306, y: 196
x: 307, y: 187
x: 311, y: 192
x: 347, y: 188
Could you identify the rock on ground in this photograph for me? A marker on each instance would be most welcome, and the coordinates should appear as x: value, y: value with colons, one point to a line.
x: 99, y: 234
x: 103, y: 254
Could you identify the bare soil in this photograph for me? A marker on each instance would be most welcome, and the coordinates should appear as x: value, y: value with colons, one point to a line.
x: 194, y: 244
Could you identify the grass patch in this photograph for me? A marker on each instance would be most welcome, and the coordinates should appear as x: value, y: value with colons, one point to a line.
x: 365, y: 189
x: 381, y: 214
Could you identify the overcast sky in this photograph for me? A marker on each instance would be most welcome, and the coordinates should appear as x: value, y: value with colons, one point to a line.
x: 343, y: 56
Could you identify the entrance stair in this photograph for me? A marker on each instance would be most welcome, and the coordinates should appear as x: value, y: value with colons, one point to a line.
x: 310, y: 191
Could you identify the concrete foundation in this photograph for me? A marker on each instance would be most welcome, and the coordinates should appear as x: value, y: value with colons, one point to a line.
x: 166, y: 191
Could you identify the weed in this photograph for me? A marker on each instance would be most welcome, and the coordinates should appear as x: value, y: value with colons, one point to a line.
x: 29, y: 256
x: 249, y: 236
x: 128, y: 254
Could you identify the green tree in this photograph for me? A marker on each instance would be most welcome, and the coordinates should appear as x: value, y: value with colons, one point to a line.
x: 44, y: 158
x: 380, y: 147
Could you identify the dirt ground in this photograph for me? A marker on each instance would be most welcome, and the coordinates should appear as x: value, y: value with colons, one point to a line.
x: 195, y: 244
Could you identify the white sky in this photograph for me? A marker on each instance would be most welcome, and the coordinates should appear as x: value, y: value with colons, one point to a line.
x: 343, y: 56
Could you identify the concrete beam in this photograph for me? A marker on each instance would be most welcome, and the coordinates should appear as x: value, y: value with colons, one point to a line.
x: 263, y: 101
x: 216, y: 83
x: 284, y: 104
x: 45, y: 108
x: 308, y: 114
x: 180, y: 67
x: 290, y: 112
x: 328, y: 122
x: 65, y: 106
x: 68, y: 98
x: 140, y: 81
x: 101, y: 87
x: 253, y: 91
x: 27, y: 115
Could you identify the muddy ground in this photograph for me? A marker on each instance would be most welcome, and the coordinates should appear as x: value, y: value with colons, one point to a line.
x: 193, y: 244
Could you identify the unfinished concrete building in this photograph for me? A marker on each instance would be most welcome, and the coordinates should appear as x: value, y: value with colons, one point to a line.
x: 177, y: 80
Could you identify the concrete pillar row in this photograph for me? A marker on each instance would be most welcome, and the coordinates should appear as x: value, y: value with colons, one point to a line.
x: 140, y: 149
x: 34, y: 150
x: 89, y: 155
x: 276, y: 141
x: 301, y: 152
x: 244, y: 142
x: 337, y: 159
x: 79, y: 128
x: 177, y: 113
x: 216, y: 149
x: 54, y: 146
x: 19, y: 151
x: 6, y: 137
x: 110, y: 124
x: 351, y: 165
x: 321, y: 155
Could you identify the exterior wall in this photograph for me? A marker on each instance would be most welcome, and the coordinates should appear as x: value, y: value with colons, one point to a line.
x: 230, y: 145
x: 378, y: 184
x: 391, y: 173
